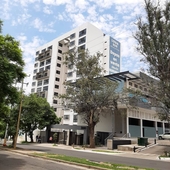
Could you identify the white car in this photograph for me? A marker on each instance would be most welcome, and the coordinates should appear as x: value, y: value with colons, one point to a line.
x: 165, y: 136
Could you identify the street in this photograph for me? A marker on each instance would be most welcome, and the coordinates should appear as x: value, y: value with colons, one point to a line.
x: 98, y: 157
x: 14, y: 161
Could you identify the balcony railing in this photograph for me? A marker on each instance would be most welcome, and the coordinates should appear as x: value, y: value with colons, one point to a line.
x: 43, y: 74
x: 44, y: 55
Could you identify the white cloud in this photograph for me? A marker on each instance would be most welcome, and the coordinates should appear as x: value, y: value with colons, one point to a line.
x: 47, y: 10
x: 56, y: 2
x: 26, y: 2
x: 42, y: 27
x: 5, y: 9
x: 22, y: 19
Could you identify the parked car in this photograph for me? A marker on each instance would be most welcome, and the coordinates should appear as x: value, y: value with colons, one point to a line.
x: 164, y: 136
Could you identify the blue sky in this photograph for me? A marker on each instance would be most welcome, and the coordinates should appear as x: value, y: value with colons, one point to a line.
x: 35, y: 22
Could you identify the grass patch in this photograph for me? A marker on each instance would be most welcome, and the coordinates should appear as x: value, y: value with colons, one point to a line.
x: 88, y: 162
x: 107, y: 151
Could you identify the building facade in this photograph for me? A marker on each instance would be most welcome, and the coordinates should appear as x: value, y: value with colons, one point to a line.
x: 50, y: 73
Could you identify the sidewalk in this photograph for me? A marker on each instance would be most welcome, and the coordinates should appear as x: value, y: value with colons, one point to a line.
x: 98, y: 150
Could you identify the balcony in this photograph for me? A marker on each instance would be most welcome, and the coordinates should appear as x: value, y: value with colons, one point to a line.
x: 43, y: 74
x: 44, y: 55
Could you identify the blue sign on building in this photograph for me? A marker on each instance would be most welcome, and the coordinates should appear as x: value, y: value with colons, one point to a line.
x: 114, y: 59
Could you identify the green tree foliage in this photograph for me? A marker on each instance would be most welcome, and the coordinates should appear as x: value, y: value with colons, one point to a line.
x: 36, y: 114
x: 11, y: 71
x: 92, y: 93
x: 153, y: 37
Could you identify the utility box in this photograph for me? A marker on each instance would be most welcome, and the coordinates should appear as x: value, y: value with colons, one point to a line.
x: 142, y: 141
x: 110, y: 144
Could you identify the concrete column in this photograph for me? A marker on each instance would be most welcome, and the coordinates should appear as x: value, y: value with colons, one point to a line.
x: 141, y: 127
x: 163, y: 126
x: 68, y: 137
x: 127, y: 126
x: 123, y: 125
x: 156, y: 129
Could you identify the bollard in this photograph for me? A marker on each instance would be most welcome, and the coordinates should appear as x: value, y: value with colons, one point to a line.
x: 134, y: 149
x: 154, y: 141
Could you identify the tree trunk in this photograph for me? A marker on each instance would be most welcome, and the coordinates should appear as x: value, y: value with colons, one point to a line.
x: 92, y: 137
x: 25, y: 136
x: 31, y: 137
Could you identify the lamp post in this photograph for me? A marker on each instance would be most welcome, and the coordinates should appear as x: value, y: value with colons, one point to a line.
x: 19, y: 116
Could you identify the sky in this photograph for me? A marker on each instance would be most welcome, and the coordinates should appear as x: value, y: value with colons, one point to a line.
x: 36, y: 22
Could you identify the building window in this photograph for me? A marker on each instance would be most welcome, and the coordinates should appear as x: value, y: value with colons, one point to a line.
x: 47, y: 67
x: 57, y: 79
x: 57, y: 72
x: 46, y: 81
x: 32, y: 90
x: 42, y: 64
x: 82, y: 47
x: 136, y: 85
x: 36, y: 58
x: 36, y: 65
x: 34, y: 77
x: 145, y: 89
x: 83, y: 32
x: 58, y: 65
x: 75, y: 118
x: 60, y: 44
x: 55, y: 101
x: 55, y: 109
x: 39, y: 83
x: 59, y: 58
x: 35, y: 71
x: 55, y: 94
x: 33, y: 83
x: 140, y: 87
x: 43, y: 50
x: 70, y: 74
x: 50, y: 47
x: 48, y: 61
x: 66, y: 117
x: 37, y: 53
x: 130, y: 83
x: 59, y: 51
x: 72, y: 36
x: 39, y: 89
x: 45, y: 88
x: 72, y: 43
x: 82, y: 40
x: 41, y: 69
x: 57, y: 86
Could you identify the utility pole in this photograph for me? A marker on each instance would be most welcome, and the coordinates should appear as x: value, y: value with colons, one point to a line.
x: 19, y: 116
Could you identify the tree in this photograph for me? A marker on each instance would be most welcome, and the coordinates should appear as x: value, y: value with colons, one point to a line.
x: 92, y: 92
x: 11, y: 72
x: 36, y: 114
x: 153, y: 37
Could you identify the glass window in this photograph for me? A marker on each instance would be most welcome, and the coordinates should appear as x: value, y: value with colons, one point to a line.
x: 50, y: 47
x: 59, y: 58
x: 35, y: 71
x: 82, y: 40
x: 58, y: 65
x: 39, y: 89
x: 55, y: 94
x: 59, y: 51
x: 46, y: 81
x: 57, y: 86
x: 70, y: 66
x: 36, y: 58
x: 39, y: 83
x: 81, y: 47
x: 60, y: 44
x: 34, y: 77
x: 72, y: 43
x: 45, y: 88
x: 48, y: 61
x: 47, y: 67
x: 36, y: 65
x: 83, y: 32
x: 33, y: 83
x: 32, y: 90
x: 55, y: 101
x: 70, y: 74
x: 136, y: 85
x: 57, y: 79
x: 55, y: 109
x: 43, y: 50
x: 42, y: 64
x: 72, y: 36
x: 37, y: 52
x: 75, y: 118
x: 41, y: 69
x: 130, y: 83
x: 57, y: 72
x: 66, y: 117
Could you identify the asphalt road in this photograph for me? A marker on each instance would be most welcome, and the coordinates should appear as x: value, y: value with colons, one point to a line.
x: 13, y: 161
x: 156, y: 164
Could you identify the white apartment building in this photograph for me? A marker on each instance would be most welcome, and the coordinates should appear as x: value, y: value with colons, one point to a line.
x: 50, y: 72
